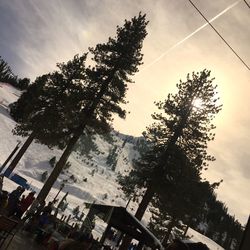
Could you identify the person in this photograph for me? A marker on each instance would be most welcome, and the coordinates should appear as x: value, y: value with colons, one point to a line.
x: 45, y: 229
x: 24, y: 204
x: 38, y: 217
x: 35, y: 209
x: 13, y: 202
x: 40, y: 206
x: 132, y: 246
x: 48, y: 209
x: 177, y: 245
x: 3, y: 201
x: 1, y: 183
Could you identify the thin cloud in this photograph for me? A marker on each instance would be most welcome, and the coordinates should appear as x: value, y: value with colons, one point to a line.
x: 189, y: 36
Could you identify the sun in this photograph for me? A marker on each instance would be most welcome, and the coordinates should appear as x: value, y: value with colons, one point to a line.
x: 197, y: 103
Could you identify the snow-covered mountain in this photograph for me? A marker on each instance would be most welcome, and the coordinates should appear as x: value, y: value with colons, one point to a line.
x: 88, y: 179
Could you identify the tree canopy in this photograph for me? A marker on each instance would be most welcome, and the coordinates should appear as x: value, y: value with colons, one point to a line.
x: 180, y: 126
x: 51, y: 105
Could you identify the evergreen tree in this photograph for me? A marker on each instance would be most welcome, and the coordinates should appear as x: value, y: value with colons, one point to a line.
x: 44, y: 176
x: 6, y: 74
x: 46, y: 111
x: 182, y: 125
x: 67, y: 165
x: 109, y: 137
x: 63, y: 205
x: 221, y: 227
x: 112, y: 158
x: 76, y: 211
x: 86, y: 143
x: 23, y: 83
x: 106, y: 86
x: 124, y: 142
x: 52, y: 161
x: 54, y: 101
x: 141, y: 145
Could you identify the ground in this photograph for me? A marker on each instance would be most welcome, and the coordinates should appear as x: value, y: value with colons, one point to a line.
x: 24, y: 241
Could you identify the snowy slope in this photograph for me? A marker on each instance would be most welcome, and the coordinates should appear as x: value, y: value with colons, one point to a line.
x: 100, y: 187
x: 35, y: 160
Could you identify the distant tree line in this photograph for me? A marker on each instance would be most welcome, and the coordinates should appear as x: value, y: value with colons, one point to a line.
x: 200, y: 210
x: 221, y: 226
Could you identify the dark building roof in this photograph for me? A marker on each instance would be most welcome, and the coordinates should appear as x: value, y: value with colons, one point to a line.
x: 121, y: 219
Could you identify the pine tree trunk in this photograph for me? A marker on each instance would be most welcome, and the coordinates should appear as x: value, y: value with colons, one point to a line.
x: 147, y: 197
x: 60, y: 164
x: 19, y: 155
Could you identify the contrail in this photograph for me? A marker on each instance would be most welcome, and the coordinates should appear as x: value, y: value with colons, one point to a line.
x: 190, y: 35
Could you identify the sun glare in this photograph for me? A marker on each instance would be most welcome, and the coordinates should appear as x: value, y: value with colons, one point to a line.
x: 197, y: 103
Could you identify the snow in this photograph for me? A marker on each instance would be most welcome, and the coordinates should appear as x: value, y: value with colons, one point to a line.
x: 197, y: 237
x: 36, y: 161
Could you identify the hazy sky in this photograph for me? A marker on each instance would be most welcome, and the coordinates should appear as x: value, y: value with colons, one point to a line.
x: 36, y: 34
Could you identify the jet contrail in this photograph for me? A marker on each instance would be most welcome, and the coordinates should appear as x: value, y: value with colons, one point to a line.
x: 190, y: 35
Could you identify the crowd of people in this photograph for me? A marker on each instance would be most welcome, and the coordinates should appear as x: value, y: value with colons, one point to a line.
x: 38, y: 220
x: 15, y: 204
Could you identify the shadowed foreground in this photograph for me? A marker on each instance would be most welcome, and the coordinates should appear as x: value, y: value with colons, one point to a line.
x: 23, y: 241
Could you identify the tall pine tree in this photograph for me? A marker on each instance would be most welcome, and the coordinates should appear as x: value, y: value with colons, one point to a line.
x: 115, y: 61
x: 181, y: 124
x: 6, y: 74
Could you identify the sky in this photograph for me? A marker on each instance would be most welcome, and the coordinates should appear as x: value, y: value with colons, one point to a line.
x: 35, y: 35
